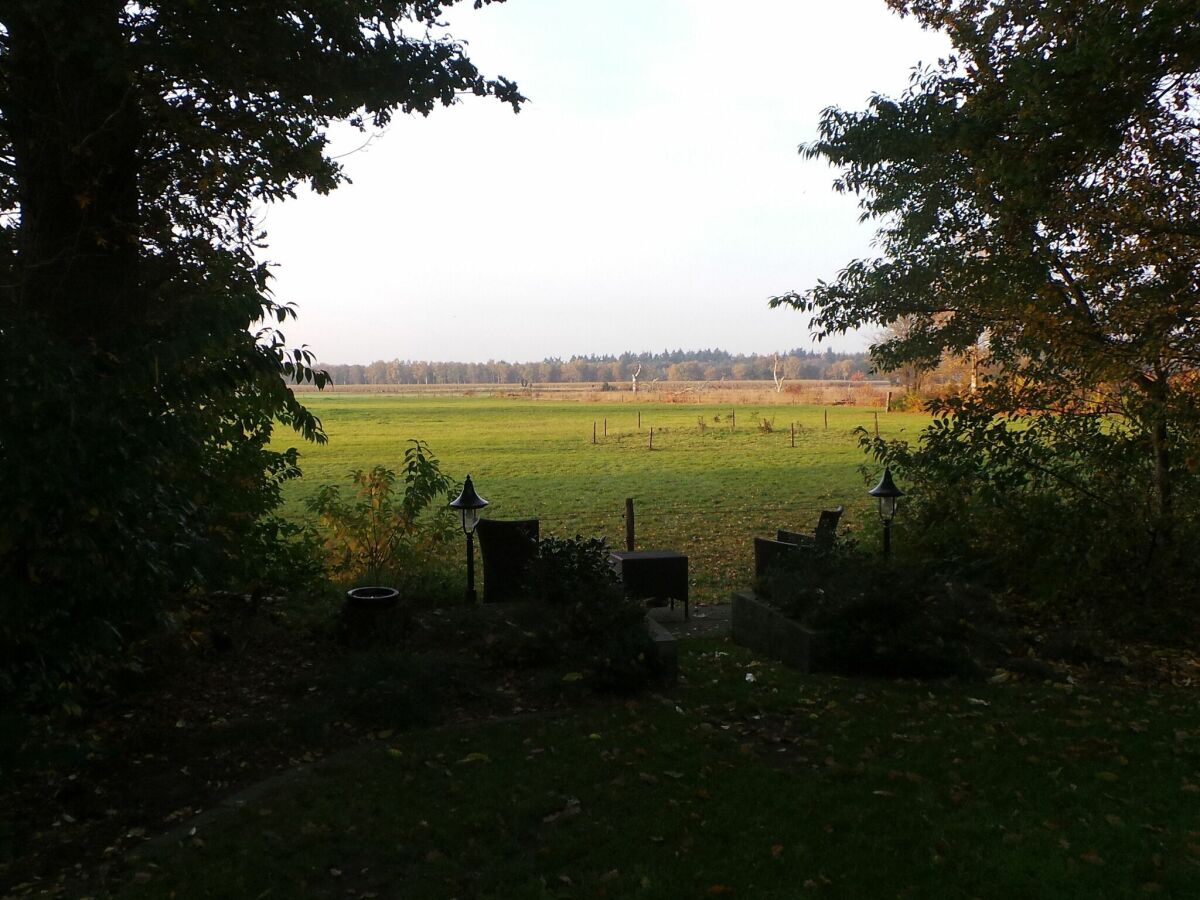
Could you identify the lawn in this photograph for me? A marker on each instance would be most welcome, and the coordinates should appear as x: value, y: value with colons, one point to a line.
x: 748, y: 780
x: 706, y: 489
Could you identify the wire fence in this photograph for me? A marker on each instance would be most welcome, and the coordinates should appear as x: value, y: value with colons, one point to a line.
x: 718, y: 539
x: 705, y: 531
x: 651, y: 515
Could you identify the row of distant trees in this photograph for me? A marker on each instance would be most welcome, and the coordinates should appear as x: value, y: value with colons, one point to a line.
x: 676, y: 365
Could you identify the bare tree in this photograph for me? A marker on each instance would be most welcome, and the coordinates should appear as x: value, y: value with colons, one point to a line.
x: 635, y: 375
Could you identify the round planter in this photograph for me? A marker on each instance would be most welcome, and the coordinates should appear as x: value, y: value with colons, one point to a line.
x: 371, y: 598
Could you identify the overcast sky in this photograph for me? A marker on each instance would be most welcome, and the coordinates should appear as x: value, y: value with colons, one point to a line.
x: 649, y: 196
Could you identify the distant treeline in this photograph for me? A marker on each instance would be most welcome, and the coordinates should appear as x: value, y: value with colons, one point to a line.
x: 675, y: 365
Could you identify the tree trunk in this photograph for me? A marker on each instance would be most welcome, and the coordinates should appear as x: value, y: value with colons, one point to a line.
x: 1156, y: 389
x: 1163, y: 482
x: 75, y: 131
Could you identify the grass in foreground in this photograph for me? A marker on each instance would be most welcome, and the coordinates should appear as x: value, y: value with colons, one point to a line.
x: 748, y: 780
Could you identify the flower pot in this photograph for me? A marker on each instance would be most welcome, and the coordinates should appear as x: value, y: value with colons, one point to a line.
x: 364, y: 599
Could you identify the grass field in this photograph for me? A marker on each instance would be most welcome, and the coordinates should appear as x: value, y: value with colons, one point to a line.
x: 703, y: 489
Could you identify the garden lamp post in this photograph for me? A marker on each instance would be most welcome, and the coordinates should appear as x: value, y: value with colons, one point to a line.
x: 887, y: 493
x: 469, y: 503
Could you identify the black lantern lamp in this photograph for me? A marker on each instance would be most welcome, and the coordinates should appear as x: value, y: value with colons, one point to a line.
x: 469, y: 503
x: 888, y: 494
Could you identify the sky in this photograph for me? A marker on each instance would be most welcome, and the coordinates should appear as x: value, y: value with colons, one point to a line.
x: 649, y: 196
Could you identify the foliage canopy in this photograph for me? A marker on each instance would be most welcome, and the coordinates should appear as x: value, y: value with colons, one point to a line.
x: 137, y: 144
x: 1037, y: 194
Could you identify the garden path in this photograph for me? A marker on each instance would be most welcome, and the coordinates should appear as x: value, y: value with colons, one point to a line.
x: 707, y: 620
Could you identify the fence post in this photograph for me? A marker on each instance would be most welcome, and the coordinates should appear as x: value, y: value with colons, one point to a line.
x: 639, y: 420
x: 888, y: 407
x: 652, y: 437
x: 793, y: 435
x: 733, y: 414
x: 606, y: 426
x: 876, y: 415
x: 593, y: 431
x: 827, y: 420
x: 629, y: 532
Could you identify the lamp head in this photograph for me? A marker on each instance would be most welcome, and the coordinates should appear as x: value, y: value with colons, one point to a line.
x: 887, y: 493
x: 468, y: 503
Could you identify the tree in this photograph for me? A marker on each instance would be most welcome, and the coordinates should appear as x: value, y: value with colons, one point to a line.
x: 1039, y: 189
x: 136, y: 141
x: 776, y: 375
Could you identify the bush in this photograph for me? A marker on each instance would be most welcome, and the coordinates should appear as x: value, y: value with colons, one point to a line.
x: 385, y: 532
x: 886, y: 619
x: 1059, y: 508
x: 155, y: 492
x: 909, y: 401
x: 580, y: 617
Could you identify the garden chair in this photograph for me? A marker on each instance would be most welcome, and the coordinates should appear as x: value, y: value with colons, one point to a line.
x: 508, y: 547
x: 823, y: 535
x: 769, y: 553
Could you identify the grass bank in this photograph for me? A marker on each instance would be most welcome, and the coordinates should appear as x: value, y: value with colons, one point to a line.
x: 748, y: 780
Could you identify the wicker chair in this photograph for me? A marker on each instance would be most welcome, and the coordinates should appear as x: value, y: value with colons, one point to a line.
x: 823, y: 535
x: 508, y: 547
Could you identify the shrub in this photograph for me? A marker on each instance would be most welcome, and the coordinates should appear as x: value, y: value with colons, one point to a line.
x: 386, y: 531
x: 1058, y: 508
x: 888, y: 619
x: 579, y: 616
x: 104, y: 535
x: 909, y: 401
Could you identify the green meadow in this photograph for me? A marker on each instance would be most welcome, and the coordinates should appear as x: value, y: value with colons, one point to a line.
x: 715, y: 477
